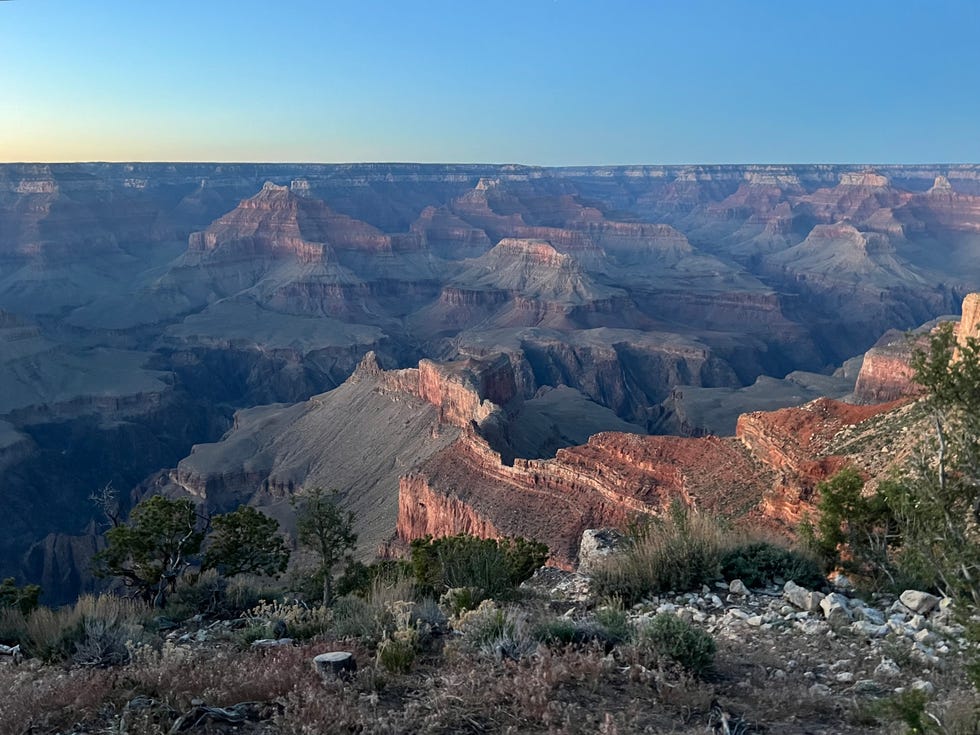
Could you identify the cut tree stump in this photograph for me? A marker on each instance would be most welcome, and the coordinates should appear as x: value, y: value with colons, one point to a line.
x: 335, y: 664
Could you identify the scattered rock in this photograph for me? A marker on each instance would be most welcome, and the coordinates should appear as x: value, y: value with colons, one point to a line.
x: 835, y: 609
x: 887, y: 669
x: 921, y: 685
x: 737, y: 587
x: 335, y: 664
x: 801, y: 597
x: 560, y: 585
x: 918, y: 601
x: 272, y: 642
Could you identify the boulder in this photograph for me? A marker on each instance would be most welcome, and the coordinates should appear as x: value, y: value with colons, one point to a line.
x: 597, y: 544
x: 335, y: 664
x: 918, y: 601
x: 834, y: 608
x: 737, y: 587
x: 887, y: 669
x: 801, y: 597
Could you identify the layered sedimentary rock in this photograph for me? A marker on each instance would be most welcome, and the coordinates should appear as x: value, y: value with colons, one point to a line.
x: 367, y: 433
x: 614, y: 293
x: 766, y: 474
x: 886, y: 373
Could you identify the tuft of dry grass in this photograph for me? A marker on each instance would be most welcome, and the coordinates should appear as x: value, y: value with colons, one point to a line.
x: 677, y: 552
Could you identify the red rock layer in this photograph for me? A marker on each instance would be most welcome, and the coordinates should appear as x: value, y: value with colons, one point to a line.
x: 767, y: 473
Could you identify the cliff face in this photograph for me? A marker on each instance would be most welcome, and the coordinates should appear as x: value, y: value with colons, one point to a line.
x: 969, y: 326
x: 886, y: 373
x: 764, y: 475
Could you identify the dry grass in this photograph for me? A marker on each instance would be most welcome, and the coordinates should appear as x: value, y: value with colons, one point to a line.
x: 677, y: 552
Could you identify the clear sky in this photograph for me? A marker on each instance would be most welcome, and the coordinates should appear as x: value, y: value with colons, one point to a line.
x: 553, y: 82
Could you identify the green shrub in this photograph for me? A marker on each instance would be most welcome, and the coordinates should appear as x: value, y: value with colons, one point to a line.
x: 458, y: 600
x: 670, y: 636
x: 760, y: 563
x: 502, y: 632
x: 612, y: 623
x: 609, y: 627
x: 358, y: 577
x: 396, y: 656
x: 24, y: 599
x: 561, y: 631
x: 677, y: 552
x: 289, y: 620
x: 495, y: 566
x: 856, y: 532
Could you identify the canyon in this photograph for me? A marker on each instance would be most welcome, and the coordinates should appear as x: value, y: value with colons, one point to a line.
x: 494, y: 349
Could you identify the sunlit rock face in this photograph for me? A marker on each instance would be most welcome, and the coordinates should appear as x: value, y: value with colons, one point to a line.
x: 142, y: 305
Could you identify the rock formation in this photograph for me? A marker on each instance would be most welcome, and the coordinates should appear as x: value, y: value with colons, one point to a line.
x: 143, y: 304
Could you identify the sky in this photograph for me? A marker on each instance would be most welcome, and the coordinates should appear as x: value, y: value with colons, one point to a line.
x: 546, y: 82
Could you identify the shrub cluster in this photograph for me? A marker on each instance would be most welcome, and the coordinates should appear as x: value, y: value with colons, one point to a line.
x: 682, y: 642
x: 494, y: 566
x: 760, y: 563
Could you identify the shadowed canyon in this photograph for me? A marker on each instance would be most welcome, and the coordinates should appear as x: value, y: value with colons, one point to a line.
x: 491, y: 349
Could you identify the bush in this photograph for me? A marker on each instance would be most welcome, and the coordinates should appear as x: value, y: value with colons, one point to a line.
x: 678, y: 552
x: 498, y: 632
x: 13, y: 626
x: 856, y: 532
x: 609, y: 627
x: 612, y: 623
x: 24, y: 599
x: 670, y: 636
x: 761, y: 563
x: 494, y: 566
x: 396, y: 655
x: 95, y: 631
x: 287, y: 620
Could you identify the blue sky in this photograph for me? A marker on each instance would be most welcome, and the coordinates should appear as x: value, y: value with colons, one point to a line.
x: 552, y: 82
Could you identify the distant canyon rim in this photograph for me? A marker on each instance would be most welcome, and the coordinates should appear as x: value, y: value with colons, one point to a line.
x: 494, y: 349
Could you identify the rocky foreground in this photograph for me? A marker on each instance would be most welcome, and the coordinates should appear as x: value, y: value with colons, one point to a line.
x: 789, y: 660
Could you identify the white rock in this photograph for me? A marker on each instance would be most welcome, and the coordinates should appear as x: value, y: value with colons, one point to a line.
x: 925, y: 636
x: 862, y: 612
x: 755, y: 621
x: 917, y: 622
x: 921, y: 685
x: 834, y: 608
x: 869, y: 629
x: 820, y: 690
x: 811, y: 627
x: 918, y: 601
x: 887, y: 669
x: 596, y: 546
x: 844, y: 677
x: 801, y: 597
x: 738, y: 587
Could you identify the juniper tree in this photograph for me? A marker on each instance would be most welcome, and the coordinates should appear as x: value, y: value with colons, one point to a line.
x: 327, y: 530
